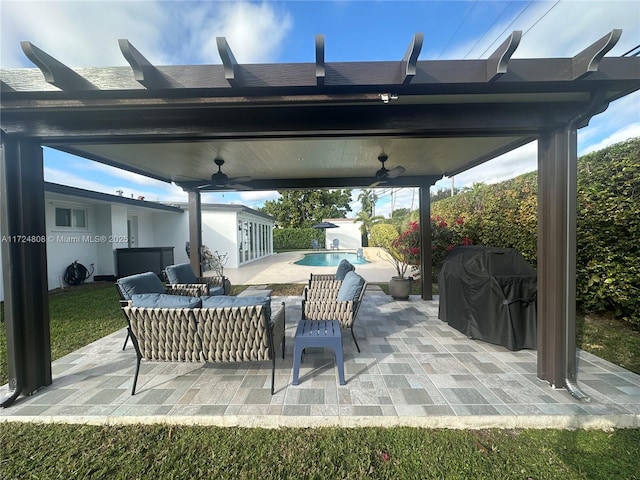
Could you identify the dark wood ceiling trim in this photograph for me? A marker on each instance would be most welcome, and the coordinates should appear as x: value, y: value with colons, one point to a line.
x: 410, y: 59
x: 320, y: 67
x: 55, y: 72
x: 432, y: 77
x: 310, y: 183
x: 158, y: 124
x: 228, y: 60
x: 498, y: 61
x: 588, y: 60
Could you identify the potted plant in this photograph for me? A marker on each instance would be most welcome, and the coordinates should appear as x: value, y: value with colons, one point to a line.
x: 404, y: 254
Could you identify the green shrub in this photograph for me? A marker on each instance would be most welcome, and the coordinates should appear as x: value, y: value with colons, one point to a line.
x: 296, y: 238
x: 608, y: 225
x: 608, y: 234
x: 382, y: 235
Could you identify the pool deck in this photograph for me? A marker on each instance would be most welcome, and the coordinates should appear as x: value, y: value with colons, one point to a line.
x: 281, y: 268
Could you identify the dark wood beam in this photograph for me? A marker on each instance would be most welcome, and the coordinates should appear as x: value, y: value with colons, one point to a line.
x: 431, y: 77
x: 144, y: 71
x: 138, y: 123
x: 556, y: 306
x: 498, y: 61
x: 588, y: 60
x: 24, y: 266
x: 425, y: 243
x: 55, y: 72
x: 195, y: 231
x: 320, y: 67
x: 228, y: 60
x: 410, y: 59
x: 312, y: 183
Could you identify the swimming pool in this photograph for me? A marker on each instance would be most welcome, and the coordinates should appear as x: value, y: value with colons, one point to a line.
x: 330, y: 259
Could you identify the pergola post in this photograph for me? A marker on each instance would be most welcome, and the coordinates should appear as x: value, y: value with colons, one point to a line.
x: 557, y: 191
x: 195, y: 231
x: 24, y: 266
x: 425, y: 241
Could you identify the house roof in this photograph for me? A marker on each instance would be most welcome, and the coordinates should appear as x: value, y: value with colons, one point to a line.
x: 309, y: 125
x: 107, y: 198
x: 235, y: 208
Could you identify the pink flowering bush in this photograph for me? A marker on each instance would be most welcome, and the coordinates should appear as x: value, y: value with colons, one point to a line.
x: 404, y: 252
x: 445, y: 238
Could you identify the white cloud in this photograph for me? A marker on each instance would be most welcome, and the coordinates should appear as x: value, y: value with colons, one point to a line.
x: 560, y: 29
x: 164, y: 192
x: 626, y: 133
x: 82, y: 33
x: 255, y: 31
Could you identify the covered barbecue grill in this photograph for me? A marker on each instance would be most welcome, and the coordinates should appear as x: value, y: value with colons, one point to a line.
x: 489, y: 293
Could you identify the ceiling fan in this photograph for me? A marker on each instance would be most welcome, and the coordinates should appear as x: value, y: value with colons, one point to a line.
x: 384, y: 173
x: 221, y: 180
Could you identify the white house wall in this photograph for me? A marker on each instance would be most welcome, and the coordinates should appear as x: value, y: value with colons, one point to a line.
x: 66, y: 245
x: 347, y: 233
x: 219, y: 234
x: 172, y: 230
x: 106, y: 230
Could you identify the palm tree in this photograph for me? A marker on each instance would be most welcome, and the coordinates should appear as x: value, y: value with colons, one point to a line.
x: 366, y: 215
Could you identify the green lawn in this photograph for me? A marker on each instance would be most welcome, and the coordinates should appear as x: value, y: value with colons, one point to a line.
x: 83, y: 314
x: 168, y: 452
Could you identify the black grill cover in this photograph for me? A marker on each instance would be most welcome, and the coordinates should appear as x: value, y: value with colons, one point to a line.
x: 489, y: 293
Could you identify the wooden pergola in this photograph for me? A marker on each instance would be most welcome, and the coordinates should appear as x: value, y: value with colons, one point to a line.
x: 304, y: 125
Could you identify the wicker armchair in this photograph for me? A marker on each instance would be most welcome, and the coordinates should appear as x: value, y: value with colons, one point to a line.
x: 330, y: 280
x: 182, y: 279
x: 223, y: 334
x: 330, y: 303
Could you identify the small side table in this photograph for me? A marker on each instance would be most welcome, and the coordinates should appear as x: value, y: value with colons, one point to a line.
x: 318, y: 333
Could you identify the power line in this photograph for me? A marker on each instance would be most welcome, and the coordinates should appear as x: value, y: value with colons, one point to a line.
x: 458, y: 28
x: 491, y: 26
x: 514, y: 20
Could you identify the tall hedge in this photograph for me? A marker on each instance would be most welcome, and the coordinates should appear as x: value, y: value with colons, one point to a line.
x: 608, y: 225
x: 296, y: 238
x: 608, y: 234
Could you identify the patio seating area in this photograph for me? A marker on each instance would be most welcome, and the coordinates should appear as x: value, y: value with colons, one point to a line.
x: 413, y: 370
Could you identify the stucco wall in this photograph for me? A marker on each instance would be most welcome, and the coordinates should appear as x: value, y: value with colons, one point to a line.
x: 347, y: 233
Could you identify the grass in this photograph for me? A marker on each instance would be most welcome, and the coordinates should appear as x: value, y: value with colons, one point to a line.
x: 162, y: 451
x: 81, y: 315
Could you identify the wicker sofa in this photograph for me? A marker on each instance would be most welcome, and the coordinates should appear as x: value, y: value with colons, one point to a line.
x: 222, y: 329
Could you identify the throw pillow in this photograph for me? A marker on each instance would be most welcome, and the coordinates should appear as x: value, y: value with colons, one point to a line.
x: 351, y: 287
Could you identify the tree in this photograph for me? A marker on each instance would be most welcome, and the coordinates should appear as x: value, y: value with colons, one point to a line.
x: 366, y: 215
x: 305, y: 208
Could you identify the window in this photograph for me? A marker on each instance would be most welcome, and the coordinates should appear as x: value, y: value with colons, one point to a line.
x: 71, y: 218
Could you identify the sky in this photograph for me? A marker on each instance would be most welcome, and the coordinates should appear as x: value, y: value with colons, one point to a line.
x: 86, y: 33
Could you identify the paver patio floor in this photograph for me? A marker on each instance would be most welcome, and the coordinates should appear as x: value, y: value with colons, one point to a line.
x: 413, y: 370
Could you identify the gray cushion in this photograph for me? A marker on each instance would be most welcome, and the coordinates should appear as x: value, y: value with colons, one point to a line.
x: 156, y: 300
x: 216, y: 291
x: 344, y: 267
x: 181, y: 273
x: 140, y: 283
x: 222, y: 301
x: 351, y: 287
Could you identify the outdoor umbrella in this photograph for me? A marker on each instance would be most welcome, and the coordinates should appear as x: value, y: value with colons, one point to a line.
x: 323, y: 225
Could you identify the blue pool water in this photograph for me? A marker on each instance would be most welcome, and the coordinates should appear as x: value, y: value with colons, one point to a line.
x: 330, y: 259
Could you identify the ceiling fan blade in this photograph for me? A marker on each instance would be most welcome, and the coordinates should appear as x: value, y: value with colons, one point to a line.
x: 395, y: 172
